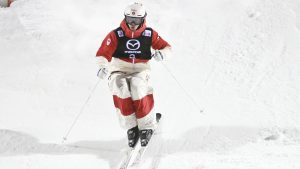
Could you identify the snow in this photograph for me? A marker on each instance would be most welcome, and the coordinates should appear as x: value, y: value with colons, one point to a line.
x: 229, y: 94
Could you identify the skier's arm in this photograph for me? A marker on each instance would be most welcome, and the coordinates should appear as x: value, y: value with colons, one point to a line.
x: 107, y: 48
x: 104, y: 54
x: 162, y: 49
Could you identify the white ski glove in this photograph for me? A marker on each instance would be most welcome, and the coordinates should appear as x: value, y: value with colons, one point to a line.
x: 103, y: 67
x: 158, y: 55
x: 103, y: 72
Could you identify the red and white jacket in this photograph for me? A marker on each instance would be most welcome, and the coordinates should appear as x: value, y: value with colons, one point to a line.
x: 110, y: 43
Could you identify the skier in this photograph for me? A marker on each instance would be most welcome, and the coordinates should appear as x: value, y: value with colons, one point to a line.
x: 124, y: 55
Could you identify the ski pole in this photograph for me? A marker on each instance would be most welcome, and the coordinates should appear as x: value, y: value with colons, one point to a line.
x: 182, y: 88
x: 80, y: 112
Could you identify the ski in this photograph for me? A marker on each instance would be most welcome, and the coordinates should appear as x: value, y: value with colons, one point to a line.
x: 137, y: 157
x: 134, y: 155
x: 128, y: 157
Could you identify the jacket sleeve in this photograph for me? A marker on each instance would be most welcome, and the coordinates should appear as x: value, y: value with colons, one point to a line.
x: 108, y: 47
x: 158, y: 42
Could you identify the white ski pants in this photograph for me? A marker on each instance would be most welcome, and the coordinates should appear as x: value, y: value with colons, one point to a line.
x: 133, y: 99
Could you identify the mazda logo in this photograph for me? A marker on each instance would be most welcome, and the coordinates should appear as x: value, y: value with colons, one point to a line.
x: 133, y: 44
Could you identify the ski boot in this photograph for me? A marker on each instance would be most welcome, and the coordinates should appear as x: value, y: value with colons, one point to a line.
x: 133, y: 136
x: 145, y: 136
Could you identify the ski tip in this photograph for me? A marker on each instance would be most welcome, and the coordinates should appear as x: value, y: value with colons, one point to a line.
x: 158, y: 116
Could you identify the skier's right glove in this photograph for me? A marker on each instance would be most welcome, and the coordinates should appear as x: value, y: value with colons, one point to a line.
x: 103, y: 67
x: 103, y: 72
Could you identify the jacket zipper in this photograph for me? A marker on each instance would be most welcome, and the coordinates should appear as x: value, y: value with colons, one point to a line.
x: 133, y: 59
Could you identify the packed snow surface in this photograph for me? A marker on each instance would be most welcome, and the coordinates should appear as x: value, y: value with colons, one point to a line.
x: 229, y: 94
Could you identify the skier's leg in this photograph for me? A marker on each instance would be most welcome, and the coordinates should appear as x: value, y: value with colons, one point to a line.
x: 142, y: 95
x: 119, y: 86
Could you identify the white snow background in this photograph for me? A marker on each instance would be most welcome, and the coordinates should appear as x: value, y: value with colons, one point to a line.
x: 229, y: 94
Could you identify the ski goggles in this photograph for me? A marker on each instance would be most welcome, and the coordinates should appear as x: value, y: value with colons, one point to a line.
x: 134, y: 20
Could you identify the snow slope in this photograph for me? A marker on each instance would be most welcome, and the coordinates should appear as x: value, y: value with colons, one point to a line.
x: 229, y: 95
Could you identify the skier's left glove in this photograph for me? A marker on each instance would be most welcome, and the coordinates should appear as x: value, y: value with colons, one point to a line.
x: 161, y: 54
x: 158, y: 55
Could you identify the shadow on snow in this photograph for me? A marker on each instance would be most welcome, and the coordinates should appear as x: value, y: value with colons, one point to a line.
x: 201, y: 139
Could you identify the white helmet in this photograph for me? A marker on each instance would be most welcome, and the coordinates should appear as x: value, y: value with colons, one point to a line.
x: 135, y: 13
x: 135, y: 10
